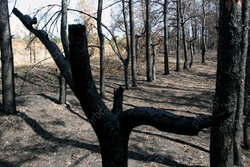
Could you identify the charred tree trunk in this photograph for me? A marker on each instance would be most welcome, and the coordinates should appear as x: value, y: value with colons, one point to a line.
x: 229, y: 85
x: 240, y: 105
x: 191, y: 53
x: 166, y: 50
x: 154, y: 61
x: 246, y: 101
x: 126, y: 62
x: 148, y: 41
x: 63, y: 84
x: 114, y: 127
x: 178, y: 37
x: 203, y: 42
x: 194, y: 32
x: 246, y: 50
x: 132, y: 45
x: 8, y: 86
x: 185, y: 66
x: 102, y: 49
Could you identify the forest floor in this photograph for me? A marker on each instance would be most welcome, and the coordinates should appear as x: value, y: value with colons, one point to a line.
x: 45, y: 133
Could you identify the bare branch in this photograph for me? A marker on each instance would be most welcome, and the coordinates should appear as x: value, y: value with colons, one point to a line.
x: 62, y: 63
x: 166, y: 121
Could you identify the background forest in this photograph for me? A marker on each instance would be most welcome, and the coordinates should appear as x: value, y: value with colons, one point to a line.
x: 178, y: 66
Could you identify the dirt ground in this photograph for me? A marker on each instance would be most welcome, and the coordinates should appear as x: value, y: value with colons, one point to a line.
x: 45, y: 133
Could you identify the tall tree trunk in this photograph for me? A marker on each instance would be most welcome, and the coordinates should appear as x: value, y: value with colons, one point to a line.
x: 203, y: 39
x: 166, y: 49
x: 230, y: 78
x: 8, y: 87
x: 148, y: 41
x: 240, y: 105
x: 102, y: 49
x: 132, y: 45
x: 185, y: 66
x: 154, y: 62
x: 64, y: 38
x: 194, y: 32
x: 126, y: 62
x: 191, y: 53
x: 246, y: 13
x: 178, y: 37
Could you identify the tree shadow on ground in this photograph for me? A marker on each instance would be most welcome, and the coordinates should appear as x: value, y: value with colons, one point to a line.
x: 172, y: 139
x: 6, y: 164
x: 91, y: 147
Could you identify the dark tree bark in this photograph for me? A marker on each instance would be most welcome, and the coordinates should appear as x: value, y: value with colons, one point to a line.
x: 154, y: 61
x: 148, y: 41
x: 191, y: 53
x: 203, y: 42
x: 178, y: 36
x: 229, y: 85
x: 246, y: 101
x: 8, y: 87
x: 126, y: 62
x: 102, y: 48
x: 185, y: 65
x: 240, y: 106
x: 132, y: 45
x: 246, y: 34
x: 166, y: 51
x: 114, y: 127
x: 64, y: 38
x: 194, y: 32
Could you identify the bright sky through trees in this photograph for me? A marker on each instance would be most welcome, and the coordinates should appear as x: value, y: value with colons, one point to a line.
x: 29, y: 6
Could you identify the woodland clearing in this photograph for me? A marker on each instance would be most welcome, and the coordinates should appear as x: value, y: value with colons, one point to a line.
x: 45, y: 133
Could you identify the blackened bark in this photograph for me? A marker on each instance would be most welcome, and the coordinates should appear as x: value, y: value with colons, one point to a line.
x: 191, y: 53
x: 185, y: 65
x: 178, y: 36
x: 230, y: 78
x: 246, y: 50
x: 126, y: 62
x: 132, y: 45
x: 64, y: 38
x: 148, y: 41
x: 240, y: 105
x: 8, y: 86
x: 113, y: 142
x: 154, y: 62
x: 166, y: 51
x: 246, y: 100
x: 245, y: 131
x: 203, y: 42
x: 102, y: 48
x: 194, y: 32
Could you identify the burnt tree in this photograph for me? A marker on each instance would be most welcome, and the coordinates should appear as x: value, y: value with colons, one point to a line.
x: 64, y: 38
x: 178, y: 36
x: 102, y: 48
x: 8, y: 87
x: 112, y: 127
x: 166, y: 47
x: 148, y: 41
x: 225, y: 136
x: 133, y: 43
